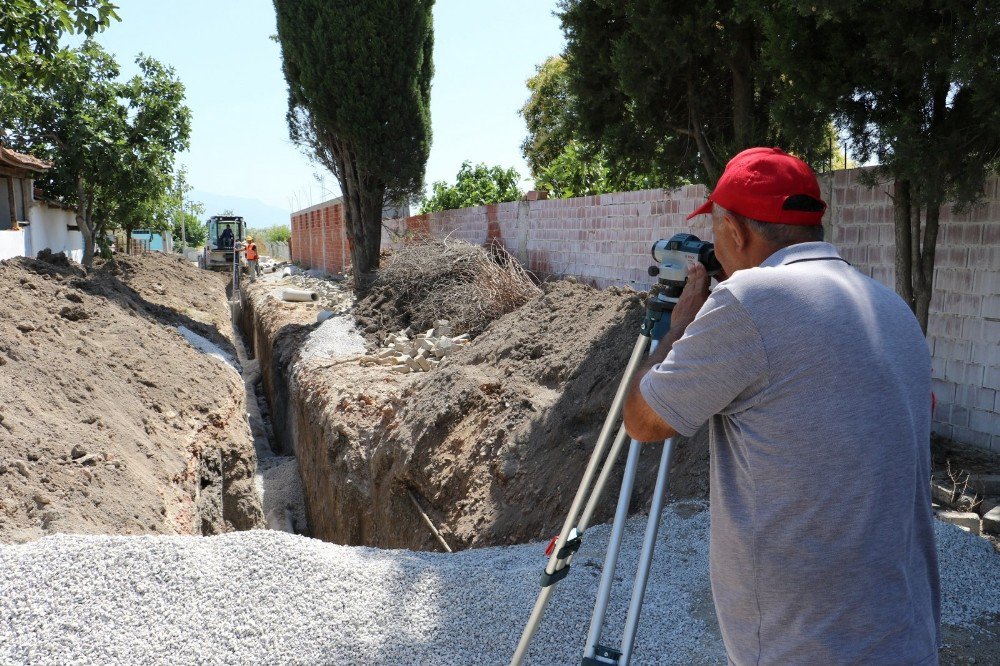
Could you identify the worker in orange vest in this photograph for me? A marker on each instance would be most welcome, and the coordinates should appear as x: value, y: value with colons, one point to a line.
x: 251, y: 250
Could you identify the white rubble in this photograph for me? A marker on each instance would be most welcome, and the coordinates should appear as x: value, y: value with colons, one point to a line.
x: 405, y: 352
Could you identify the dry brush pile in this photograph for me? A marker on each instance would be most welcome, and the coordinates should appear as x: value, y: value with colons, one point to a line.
x: 448, y: 279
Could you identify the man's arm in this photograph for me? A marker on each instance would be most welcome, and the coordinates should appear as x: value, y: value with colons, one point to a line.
x: 641, y: 422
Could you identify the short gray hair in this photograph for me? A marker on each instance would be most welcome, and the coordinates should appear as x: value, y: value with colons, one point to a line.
x: 781, y: 235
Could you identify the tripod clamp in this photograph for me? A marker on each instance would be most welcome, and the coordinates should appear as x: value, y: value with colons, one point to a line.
x: 658, y: 308
x: 573, y: 543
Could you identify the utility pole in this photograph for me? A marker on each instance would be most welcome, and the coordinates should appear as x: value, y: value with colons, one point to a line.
x: 183, y: 219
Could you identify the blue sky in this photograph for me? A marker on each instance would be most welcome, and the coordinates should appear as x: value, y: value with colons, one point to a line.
x: 484, y: 52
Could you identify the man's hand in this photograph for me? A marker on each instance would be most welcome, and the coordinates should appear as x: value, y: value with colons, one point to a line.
x: 692, y: 298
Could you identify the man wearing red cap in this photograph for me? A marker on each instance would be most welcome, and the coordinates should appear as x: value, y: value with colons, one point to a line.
x: 816, y: 382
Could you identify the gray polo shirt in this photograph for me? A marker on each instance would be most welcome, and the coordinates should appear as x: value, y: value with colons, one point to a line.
x: 816, y: 380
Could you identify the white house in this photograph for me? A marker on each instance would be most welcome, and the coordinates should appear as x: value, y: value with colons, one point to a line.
x: 29, y: 225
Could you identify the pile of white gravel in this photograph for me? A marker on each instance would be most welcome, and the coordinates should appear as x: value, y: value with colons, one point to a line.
x: 267, y: 597
x: 334, y: 338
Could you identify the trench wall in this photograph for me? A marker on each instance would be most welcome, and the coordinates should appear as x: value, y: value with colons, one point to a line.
x: 275, y: 367
x: 342, y: 505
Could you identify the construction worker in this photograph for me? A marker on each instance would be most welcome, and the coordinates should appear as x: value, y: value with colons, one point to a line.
x: 816, y: 382
x: 251, y: 254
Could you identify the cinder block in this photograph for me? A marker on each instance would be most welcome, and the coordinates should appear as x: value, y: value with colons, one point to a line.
x: 991, y: 521
x: 971, y: 437
x: 984, y: 422
x: 991, y: 377
x: 991, y: 306
x: 961, y: 372
x: 942, y: 428
x: 965, y: 519
x: 985, y: 353
x: 985, y: 282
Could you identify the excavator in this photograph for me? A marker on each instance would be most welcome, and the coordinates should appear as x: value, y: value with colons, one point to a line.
x: 226, y: 234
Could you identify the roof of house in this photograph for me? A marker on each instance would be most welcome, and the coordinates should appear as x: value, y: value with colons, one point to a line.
x: 13, y: 159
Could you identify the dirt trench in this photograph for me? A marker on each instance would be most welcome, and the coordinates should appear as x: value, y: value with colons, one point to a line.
x: 110, y: 422
x: 491, y: 445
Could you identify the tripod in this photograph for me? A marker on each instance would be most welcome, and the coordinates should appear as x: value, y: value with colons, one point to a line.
x: 563, y: 548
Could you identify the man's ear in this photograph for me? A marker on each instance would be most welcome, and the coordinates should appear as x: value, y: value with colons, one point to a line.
x: 738, y: 231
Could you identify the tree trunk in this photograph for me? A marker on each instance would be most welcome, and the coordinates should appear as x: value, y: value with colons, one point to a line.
x: 83, y: 222
x: 363, y: 197
x: 743, y: 91
x: 916, y: 245
x: 924, y: 272
x: 713, y: 170
x: 904, y: 256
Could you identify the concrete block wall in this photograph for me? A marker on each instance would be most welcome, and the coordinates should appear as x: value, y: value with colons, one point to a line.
x: 963, y: 329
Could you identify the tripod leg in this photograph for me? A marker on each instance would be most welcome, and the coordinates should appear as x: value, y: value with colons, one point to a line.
x: 646, y: 556
x: 614, y: 546
x: 602, y: 480
x: 555, y: 561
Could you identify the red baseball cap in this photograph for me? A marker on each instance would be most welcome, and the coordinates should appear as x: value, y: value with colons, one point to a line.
x: 769, y: 185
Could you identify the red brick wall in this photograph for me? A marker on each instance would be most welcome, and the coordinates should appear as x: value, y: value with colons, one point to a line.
x: 319, y: 238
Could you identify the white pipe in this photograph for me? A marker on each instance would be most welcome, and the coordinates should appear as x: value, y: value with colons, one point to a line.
x: 298, y: 295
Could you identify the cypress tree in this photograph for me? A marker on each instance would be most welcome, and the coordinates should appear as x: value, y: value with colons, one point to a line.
x: 359, y: 82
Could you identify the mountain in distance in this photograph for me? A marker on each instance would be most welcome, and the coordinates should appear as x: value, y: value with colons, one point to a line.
x: 258, y: 215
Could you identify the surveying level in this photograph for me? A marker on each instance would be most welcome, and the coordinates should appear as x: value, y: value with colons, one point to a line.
x: 673, y: 258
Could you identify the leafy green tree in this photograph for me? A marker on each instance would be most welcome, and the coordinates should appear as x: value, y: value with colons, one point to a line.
x: 158, y: 127
x: 185, y: 213
x: 359, y: 83
x: 195, y: 231
x: 915, y: 86
x: 112, y: 143
x: 30, y: 30
x: 548, y: 115
x: 577, y: 172
x: 474, y: 186
x: 561, y: 161
x: 677, y: 88
x: 279, y: 233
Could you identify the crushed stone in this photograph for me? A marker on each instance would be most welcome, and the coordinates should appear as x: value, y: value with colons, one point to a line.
x: 275, y: 598
x: 280, y: 488
x: 334, y: 338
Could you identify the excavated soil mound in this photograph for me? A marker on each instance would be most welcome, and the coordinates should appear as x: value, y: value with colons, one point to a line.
x: 110, y: 422
x: 493, y: 443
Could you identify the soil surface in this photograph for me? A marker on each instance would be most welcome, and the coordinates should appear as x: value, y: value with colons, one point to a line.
x: 110, y: 422
x: 948, y: 455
